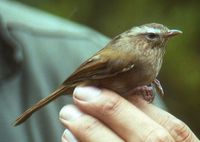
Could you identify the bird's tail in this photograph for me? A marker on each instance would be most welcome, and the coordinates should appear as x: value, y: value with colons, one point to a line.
x: 25, y: 115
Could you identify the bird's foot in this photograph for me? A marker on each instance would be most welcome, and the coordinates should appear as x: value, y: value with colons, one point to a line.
x: 146, y: 91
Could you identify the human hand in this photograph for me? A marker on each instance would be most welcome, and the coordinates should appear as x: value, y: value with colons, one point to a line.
x: 104, y: 116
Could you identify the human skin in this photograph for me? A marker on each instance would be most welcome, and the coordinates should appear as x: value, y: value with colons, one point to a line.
x: 102, y: 115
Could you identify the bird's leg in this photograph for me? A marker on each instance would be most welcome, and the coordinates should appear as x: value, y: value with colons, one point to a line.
x: 146, y: 91
x: 158, y: 87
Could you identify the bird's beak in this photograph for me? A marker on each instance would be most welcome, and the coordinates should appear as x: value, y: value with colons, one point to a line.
x: 172, y: 33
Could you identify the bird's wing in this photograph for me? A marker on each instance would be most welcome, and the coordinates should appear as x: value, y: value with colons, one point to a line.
x: 100, y: 66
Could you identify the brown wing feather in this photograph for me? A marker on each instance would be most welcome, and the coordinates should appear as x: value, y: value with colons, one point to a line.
x: 100, y: 66
x: 91, y: 67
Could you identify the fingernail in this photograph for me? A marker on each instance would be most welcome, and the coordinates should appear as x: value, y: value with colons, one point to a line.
x: 70, y: 112
x: 86, y: 93
x: 69, y: 137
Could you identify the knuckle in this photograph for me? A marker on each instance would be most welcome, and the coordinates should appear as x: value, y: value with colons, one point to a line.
x: 158, y: 135
x: 88, y: 126
x: 111, y: 107
x: 180, y: 131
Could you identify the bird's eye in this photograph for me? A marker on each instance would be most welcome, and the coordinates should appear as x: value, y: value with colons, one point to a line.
x: 152, y: 36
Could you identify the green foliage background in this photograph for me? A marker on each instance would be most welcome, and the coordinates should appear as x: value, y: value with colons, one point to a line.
x: 180, y: 74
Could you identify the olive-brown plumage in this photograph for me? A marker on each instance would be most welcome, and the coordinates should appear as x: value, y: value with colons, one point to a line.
x: 130, y: 60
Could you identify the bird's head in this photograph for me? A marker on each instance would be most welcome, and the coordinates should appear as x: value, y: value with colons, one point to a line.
x: 152, y: 35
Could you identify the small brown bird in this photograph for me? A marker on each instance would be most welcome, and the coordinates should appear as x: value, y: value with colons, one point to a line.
x: 131, y: 61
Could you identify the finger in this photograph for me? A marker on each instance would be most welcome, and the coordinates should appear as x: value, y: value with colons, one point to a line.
x: 84, y: 127
x: 177, y: 129
x: 120, y: 115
